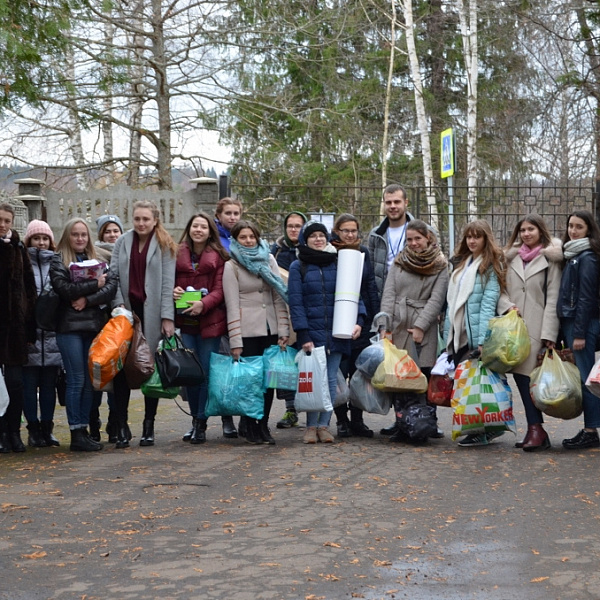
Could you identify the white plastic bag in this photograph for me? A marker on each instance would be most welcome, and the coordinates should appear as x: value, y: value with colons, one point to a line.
x: 443, y: 366
x: 4, y: 399
x: 313, y: 388
x: 368, y: 398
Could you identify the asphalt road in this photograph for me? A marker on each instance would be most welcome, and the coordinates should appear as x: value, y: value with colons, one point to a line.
x: 362, y: 518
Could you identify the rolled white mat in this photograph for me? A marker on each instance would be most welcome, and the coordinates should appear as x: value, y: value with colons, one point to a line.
x: 347, y: 292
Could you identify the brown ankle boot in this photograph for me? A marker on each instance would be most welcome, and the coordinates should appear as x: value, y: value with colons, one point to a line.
x: 537, y: 439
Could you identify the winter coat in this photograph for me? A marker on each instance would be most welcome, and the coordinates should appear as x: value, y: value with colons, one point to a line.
x: 414, y: 300
x: 311, y: 293
x: 158, y: 286
x: 97, y: 311
x: 224, y: 235
x: 284, y: 255
x: 45, y: 352
x: 534, y: 290
x: 104, y: 251
x: 17, y: 302
x: 480, y: 308
x: 212, y: 322
x: 254, y: 308
x: 377, y: 243
x: 578, y: 295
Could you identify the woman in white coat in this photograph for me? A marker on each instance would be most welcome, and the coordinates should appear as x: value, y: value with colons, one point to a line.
x: 532, y: 284
x: 144, y: 259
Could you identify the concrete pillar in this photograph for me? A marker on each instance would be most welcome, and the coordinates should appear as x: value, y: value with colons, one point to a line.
x: 30, y: 193
x: 207, y: 193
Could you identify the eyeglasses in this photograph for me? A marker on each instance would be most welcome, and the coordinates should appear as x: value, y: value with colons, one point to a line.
x: 349, y: 231
x: 293, y: 226
x: 317, y: 236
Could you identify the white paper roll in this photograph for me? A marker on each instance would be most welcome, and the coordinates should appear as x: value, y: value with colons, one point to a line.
x: 347, y: 292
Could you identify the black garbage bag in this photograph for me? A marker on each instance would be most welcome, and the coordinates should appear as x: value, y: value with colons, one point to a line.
x: 416, y: 422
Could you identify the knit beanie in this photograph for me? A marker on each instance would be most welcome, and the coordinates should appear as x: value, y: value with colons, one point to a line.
x: 37, y: 227
x: 104, y: 219
x: 312, y: 227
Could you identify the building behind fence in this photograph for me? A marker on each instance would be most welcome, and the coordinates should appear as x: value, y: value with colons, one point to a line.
x: 501, y: 204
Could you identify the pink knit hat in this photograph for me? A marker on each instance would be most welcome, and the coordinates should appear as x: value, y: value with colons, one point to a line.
x: 37, y: 227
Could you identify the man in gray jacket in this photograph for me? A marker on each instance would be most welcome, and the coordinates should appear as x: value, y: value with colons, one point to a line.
x: 389, y: 237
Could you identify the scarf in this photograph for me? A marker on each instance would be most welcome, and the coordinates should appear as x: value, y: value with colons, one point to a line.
x: 256, y: 261
x: 320, y: 258
x: 574, y: 247
x: 428, y: 262
x: 527, y: 254
x: 6, y: 238
x: 337, y: 243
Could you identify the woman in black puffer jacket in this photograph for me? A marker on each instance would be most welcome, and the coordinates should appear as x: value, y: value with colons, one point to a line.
x: 84, y: 311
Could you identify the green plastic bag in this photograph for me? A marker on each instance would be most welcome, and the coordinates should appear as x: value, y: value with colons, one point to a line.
x: 153, y: 388
x: 506, y: 343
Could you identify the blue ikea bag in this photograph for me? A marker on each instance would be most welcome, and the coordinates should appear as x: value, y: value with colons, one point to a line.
x: 235, y: 387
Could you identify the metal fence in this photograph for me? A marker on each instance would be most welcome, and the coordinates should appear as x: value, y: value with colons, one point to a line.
x: 501, y: 204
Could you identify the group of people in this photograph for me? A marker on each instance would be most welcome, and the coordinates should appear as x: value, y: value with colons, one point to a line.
x: 256, y: 296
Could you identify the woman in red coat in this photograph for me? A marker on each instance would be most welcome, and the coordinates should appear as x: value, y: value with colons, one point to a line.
x: 200, y: 263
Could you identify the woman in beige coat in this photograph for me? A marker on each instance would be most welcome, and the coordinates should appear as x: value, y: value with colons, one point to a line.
x: 413, y: 296
x: 533, y: 282
x: 257, y: 315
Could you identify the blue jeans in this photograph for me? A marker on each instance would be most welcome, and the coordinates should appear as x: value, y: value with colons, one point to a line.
x: 74, y: 349
x: 44, y: 380
x: 532, y: 414
x: 197, y: 395
x: 321, y: 419
x: 584, y: 359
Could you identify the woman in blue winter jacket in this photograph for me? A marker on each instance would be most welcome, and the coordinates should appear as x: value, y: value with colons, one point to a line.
x: 311, y: 293
x: 474, y: 289
x: 41, y: 371
x: 577, y: 308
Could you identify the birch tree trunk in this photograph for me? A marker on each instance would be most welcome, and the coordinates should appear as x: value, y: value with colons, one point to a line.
x: 388, y: 95
x: 107, y: 104
x: 422, y: 121
x: 468, y: 30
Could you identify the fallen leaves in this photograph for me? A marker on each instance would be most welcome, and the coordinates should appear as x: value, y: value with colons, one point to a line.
x: 35, y: 555
x: 538, y: 579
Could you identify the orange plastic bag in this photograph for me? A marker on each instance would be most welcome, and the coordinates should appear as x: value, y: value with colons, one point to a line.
x: 398, y: 372
x: 109, y: 348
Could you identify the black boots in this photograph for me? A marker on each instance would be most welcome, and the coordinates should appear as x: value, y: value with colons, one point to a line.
x: 253, y: 435
x: 147, y: 438
x: 122, y: 439
x: 198, y: 431
x: 229, y: 430
x: 35, y: 439
x: 82, y: 442
x: 265, y: 434
x: 47, y: 427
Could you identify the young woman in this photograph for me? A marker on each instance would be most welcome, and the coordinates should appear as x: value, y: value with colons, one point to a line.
x: 84, y: 310
x: 346, y: 236
x: 42, y: 368
x: 17, y: 325
x: 414, y: 295
x: 577, y: 308
x: 257, y: 316
x: 227, y: 214
x: 473, y: 292
x: 200, y: 264
x: 144, y: 259
x: 311, y: 295
x: 110, y: 229
x: 532, y: 284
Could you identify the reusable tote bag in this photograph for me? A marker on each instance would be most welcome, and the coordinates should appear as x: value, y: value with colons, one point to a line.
x: 312, y: 393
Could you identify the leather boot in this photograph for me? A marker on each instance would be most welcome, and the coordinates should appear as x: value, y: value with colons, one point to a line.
x: 525, y: 440
x: 252, y: 432
x: 242, y: 426
x: 112, y: 428
x: 4, y: 443
x: 229, y: 430
x: 82, y: 442
x: 537, y: 439
x: 122, y: 440
x: 47, y: 427
x: 35, y: 439
x: 147, y: 438
x: 188, y: 436
x: 16, y: 442
x: 265, y: 434
x: 198, y: 431
x: 95, y: 426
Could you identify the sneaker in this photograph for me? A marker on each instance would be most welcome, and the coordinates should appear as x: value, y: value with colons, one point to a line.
x: 479, y: 439
x: 361, y: 430
x: 584, y: 439
x: 324, y: 436
x: 310, y: 435
x: 343, y: 429
x: 492, y: 435
x: 289, y: 419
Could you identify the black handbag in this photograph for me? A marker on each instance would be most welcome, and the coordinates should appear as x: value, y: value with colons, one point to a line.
x: 46, y: 309
x: 178, y: 365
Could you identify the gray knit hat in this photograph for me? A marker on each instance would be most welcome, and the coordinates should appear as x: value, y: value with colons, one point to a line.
x: 104, y: 219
